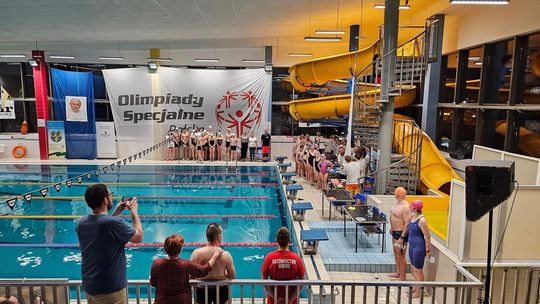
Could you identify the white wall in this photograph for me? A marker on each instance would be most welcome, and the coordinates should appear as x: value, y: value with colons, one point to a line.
x: 471, y: 25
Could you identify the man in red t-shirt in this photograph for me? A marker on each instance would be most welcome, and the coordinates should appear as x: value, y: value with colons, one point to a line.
x: 283, y: 265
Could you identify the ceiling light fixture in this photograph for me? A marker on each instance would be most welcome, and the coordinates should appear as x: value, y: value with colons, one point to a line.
x: 206, y: 59
x: 253, y: 60
x: 13, y: 55
x: 488, y: 2
x: 152, y: 65
x: 33, y: 62
x: 111, y: 58
x: 61, y: 57
x: 317, y: 38
x: 475, y: 58
x: 478, y: 63
x: 329, y: 32
x: 405, y: 6
x: 158, y: 59
x: 300, y: 54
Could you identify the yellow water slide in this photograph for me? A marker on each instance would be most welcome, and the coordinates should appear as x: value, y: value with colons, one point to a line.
x: 319, y: 71
x: 336, y: 106
x: 436, y: 174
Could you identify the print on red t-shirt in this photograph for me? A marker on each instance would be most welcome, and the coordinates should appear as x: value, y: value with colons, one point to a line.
x: 283, y: 265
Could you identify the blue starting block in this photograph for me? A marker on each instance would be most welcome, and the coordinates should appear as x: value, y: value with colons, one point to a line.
x: 311, y: 238
x: 283, y: 167
x: 280, y: 159
x: 286, y: 177
x: 292, y: 190
x: 299, y: 210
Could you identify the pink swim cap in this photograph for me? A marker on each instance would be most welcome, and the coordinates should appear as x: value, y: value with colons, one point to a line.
x: 417, y: 204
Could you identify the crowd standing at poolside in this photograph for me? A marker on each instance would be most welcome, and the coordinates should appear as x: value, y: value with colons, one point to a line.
x: 314, y: 159
x: 208, y: 145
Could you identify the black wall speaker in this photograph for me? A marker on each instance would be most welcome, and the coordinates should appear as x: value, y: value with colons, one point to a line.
x: 488, y: 183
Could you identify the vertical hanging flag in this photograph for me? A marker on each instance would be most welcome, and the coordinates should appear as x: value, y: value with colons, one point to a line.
x: 104, y: 169
x: 44, y: 191
x: 139, y: 154
x: 135, y: 157
x: 57, y: 187
x: 112, y: 167
x: 119, y: 163
x: 130, y: 159
x: 125, y: 161
x: 88, y: 175
x: 11, y: 202
x: 79, y: 179
x: 68, y: 183
x: 28, y: 197
x: 97, y: 172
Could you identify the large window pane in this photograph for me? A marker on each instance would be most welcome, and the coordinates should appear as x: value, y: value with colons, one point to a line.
x: 474, y: 71
x: 531, y: 89
x: 450, y: 78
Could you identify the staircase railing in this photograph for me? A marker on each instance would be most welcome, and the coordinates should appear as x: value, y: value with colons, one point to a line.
x: 410, y: 147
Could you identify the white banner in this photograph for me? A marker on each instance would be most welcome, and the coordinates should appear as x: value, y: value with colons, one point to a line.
x: 105, y: 139
x: 7, y: 105
x: 146, y: 105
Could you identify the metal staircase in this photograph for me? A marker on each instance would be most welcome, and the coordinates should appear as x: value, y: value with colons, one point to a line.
x: 408, y: 71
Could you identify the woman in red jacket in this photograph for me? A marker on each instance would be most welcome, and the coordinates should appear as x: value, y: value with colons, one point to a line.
x: 171, y: 275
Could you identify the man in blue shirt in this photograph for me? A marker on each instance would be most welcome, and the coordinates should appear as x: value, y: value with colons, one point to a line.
x: 102, y: 239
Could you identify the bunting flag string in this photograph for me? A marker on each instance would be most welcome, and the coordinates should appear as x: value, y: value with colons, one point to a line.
x: 11, y: 202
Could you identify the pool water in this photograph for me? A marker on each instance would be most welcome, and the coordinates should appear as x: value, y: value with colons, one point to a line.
x: 161, y: 190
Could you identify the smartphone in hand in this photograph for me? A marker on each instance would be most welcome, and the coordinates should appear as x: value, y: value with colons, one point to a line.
x: 127, y: 200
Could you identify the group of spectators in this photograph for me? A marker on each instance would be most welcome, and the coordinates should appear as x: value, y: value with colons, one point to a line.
x: 103, y: 238
x: 314, y: 158
x: 205, y: 144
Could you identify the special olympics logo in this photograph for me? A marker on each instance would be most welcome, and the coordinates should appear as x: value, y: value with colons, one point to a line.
x: 239, y: 111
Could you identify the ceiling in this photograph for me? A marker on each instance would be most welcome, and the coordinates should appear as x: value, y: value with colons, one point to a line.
x: 185, y: 29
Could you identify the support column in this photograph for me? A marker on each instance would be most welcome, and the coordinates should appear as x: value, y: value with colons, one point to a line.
x: 268, y: 65
x: 354, y: 33
x: 433, y: 79
x: 391, y: 21
x: 519, y: 63
x: 459, y: 97
x: 156, y: 90
x: 42, y: 101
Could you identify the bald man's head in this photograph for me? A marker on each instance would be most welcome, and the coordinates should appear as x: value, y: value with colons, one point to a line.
x: 400, y: 193
x: 75, y: 104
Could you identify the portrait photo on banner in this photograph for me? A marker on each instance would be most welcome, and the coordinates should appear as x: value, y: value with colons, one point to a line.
x: 76, y: 108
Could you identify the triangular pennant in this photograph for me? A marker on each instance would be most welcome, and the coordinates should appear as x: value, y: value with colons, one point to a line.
x: 118, y: 163
x: 139, y: 154
x: 97, y: 172
x: 44, y: 191
x: 135, y: 157
x: 69, y: 182
x: 104, y: 169
x: 144, y: 152
x: 57, y: 187
x: 88, y: 175
x: 79, y: 179
x: 11, y: 202
x: 28, y: 197
x: 130, y: 159
x: 112, y: 167
x: 125, y: 161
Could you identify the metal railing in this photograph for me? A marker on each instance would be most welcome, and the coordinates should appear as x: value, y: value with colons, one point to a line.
x: 255, y: 291
x: 406, y: 170
x: 511, y: 283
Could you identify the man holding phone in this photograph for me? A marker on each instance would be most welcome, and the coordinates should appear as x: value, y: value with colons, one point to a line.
x: 102, y: 239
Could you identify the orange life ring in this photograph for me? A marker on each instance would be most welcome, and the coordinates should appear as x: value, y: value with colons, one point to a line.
x: 19, y: 151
